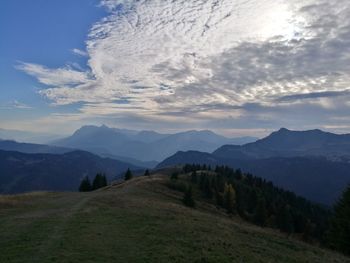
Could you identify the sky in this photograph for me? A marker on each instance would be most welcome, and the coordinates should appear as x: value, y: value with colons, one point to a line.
x: 238, y: 67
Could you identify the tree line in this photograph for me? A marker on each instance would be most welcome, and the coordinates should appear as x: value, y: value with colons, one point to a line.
x: 100, y: 181
x: 260, y: 202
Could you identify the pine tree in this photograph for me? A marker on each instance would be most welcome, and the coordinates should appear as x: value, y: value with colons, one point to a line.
x: 219, y: 198
x: 128, y: 175
x: 99, y: 181
x: 104, y: 180
x: 85, y: 185
x: 174, y: 176
x: 285, y: 220
x: 96, y: 182
x: 229, y: 198
x: 147, y: 173
x: 194, y: 177
x: 260, y: 217
x: 188, y: 197
x: 339, y: 233
x: 208, y: 190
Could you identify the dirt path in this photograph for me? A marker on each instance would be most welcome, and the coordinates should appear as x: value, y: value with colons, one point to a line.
x: 57, y: 232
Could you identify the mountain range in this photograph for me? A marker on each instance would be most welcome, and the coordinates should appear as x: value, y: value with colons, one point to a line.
x: 29, y: 137
x: 314, y: 164
x: 144, y: 146
x: 286, y: 143
x: 22, y: 172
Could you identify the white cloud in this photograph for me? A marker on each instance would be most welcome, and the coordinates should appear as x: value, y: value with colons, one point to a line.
x: 80, y: 52
x: 60, y: 77
x: 205, y: 56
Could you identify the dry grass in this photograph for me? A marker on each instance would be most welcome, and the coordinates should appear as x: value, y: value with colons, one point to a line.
x: 138, y: 221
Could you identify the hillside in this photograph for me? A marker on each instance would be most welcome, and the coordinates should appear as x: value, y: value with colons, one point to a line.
x: 312, y: 163
x: 138, y: 221
x: 146, y: 146
x: 22, y: 172
x: 315, y: 178
x: 7, y: 145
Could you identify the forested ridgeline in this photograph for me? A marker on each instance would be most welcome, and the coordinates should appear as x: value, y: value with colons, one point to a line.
x: 254, y: 199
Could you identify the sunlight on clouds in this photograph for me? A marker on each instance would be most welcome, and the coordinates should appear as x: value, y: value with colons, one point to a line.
x: 281, y: 21
x: 167, y: 56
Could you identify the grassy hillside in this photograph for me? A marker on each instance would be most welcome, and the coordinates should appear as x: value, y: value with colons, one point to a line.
x: 138, y: 221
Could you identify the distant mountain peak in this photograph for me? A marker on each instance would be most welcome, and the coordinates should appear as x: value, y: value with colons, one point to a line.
x: 312, y: 134
x: 146, y: 145
x: 283, y: 130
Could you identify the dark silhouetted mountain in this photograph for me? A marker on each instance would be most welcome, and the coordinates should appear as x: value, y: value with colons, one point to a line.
x: 40, y: 148
x: 314, y: 164
x: 144, y: 145
x: 191, y: 157
x: 31, y: 148
x: 286, y: 143
x: 22, y: 172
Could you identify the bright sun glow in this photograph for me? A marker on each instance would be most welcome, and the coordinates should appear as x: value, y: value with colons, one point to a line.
x: 280, y: 21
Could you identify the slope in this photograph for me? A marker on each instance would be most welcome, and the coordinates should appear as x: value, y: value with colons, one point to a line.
x: 22, y: 172
x: 7, y: 145
x: 138, y: 221
x: 315, y: 178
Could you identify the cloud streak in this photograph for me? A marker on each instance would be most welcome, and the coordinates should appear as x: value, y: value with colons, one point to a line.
x: 205, y: 58
x: 12, y: 105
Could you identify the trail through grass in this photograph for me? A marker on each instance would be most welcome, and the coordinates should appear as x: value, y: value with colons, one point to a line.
x: 138, y: 221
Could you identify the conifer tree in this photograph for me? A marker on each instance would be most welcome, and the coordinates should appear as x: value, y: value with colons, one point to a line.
x: 208, y: 189
x: 229, y: 198
x: 128, y: 175
x: 219, y: 198
x: 188, y: 197
x: 260, y: 217
x: 339, y: 233
x: 85, y: 185
x: 174, y: 176
x: 104, y: 180
x: 147, y: 173
x: 194, y: 177
x: 285, y: 220
x: 99, y: 181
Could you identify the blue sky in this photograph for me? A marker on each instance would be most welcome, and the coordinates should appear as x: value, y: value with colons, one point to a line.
x: 236, y: 67
x: 44, y: 32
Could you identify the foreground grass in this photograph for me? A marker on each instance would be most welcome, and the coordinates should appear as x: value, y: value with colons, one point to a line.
x: 139, y: 221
